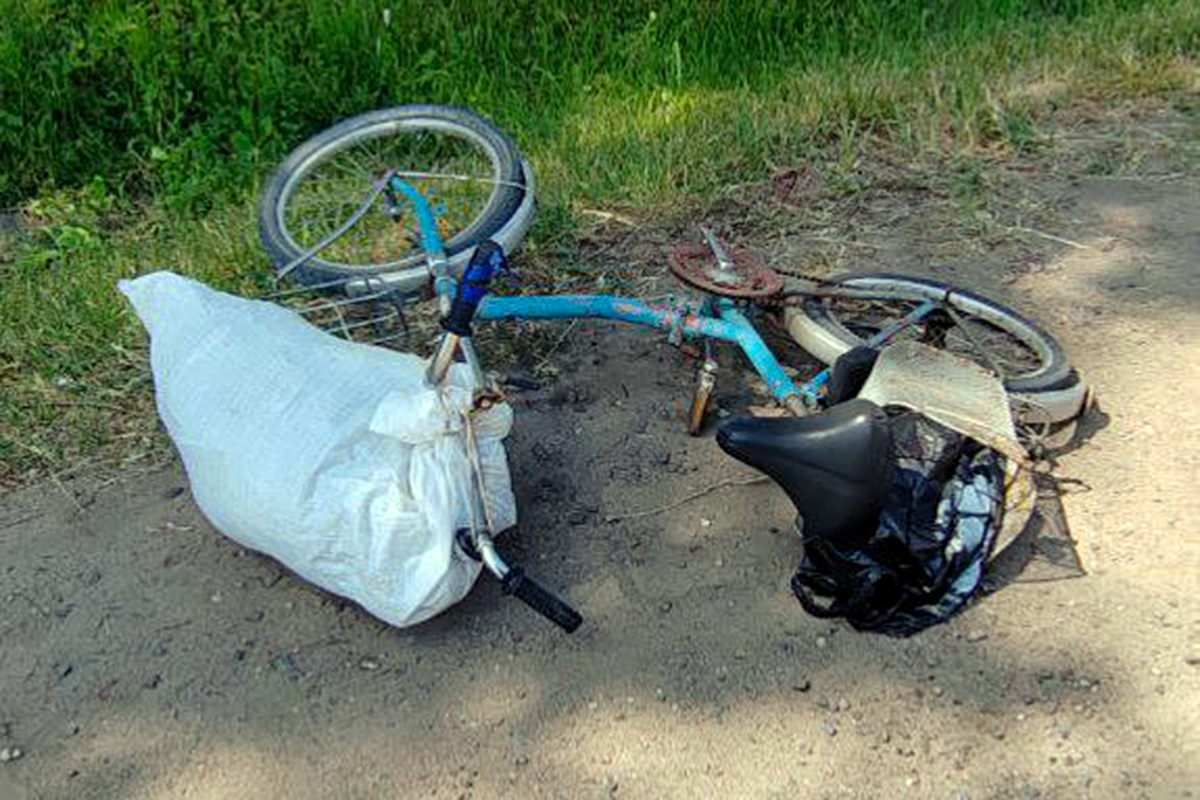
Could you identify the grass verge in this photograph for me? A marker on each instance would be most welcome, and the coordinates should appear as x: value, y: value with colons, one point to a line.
x: 621, y: 108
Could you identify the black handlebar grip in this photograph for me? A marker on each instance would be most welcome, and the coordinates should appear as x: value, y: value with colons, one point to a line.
x: 541, y: 601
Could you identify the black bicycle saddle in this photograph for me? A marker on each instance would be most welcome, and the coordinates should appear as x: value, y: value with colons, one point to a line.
x: 835, y: 466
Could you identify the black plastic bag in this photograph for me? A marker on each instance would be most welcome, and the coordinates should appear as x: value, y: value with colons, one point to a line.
x: 939, y: 521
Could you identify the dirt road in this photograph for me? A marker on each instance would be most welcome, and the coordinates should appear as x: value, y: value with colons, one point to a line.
x: 146, y: 656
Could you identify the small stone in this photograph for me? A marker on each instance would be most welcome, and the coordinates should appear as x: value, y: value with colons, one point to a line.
x: 593, y: 705
x: 665, y: 607
x: 1021, y: 717
x: 910, y: 781
x: 831, y: 727
x: 521, y: 761
x: 937, y: 691
x: 822, y: 642
x: 720, y: 562
x: 704, y: 523
x: 1193, y: 658
x: 802, y: 686
x: 843, y: 704
x: 287, y: 665
x: 739, y: 654
x: 976, y: 636
x: 216, y: 598
x: 369, y: 664
x: 10, y: 754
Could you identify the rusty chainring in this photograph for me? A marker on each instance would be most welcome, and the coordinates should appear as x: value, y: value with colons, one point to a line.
x: 745, y: 276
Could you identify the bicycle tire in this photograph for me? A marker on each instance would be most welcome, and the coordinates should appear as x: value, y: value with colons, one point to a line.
x: 1050, y: 392
x: 504, y: 215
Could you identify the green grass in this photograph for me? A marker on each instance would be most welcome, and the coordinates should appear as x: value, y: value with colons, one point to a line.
x: 190, y: 101
x: 135, y: 135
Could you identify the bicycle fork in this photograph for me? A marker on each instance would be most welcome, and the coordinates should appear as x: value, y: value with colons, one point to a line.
x: 476, y: 541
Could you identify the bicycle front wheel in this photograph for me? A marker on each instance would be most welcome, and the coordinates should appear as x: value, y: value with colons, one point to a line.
x: 1030, y: 361
x: 471, y: 173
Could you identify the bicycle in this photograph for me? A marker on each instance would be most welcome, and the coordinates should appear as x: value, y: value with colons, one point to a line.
x: 457, y: 196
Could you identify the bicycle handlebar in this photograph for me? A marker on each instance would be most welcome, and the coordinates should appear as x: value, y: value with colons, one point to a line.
x: 540, y: 600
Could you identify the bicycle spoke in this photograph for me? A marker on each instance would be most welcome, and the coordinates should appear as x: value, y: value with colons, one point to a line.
x: 978, y: 340
x: 1009, y: 356
x: 451, y: 171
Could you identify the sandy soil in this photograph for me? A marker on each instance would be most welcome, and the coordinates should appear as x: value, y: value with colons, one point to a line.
x: 146, y: 656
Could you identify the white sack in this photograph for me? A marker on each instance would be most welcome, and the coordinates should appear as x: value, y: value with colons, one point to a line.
x: 332, y: 457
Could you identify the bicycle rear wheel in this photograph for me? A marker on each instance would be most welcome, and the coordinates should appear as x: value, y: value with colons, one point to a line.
x: 1033, y: 365
x: 472, y: 174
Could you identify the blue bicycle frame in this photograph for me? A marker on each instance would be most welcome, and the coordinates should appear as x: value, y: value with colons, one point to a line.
x: 715, y: 318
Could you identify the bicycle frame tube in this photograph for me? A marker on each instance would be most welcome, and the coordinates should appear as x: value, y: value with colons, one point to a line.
x: 431, y: 237
x: 717, y: 318
x: 731, y: 325
x: 431, y: 242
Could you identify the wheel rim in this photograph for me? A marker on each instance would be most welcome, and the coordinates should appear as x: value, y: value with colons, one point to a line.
x: 455, y: 168
x: 1016, y: 348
